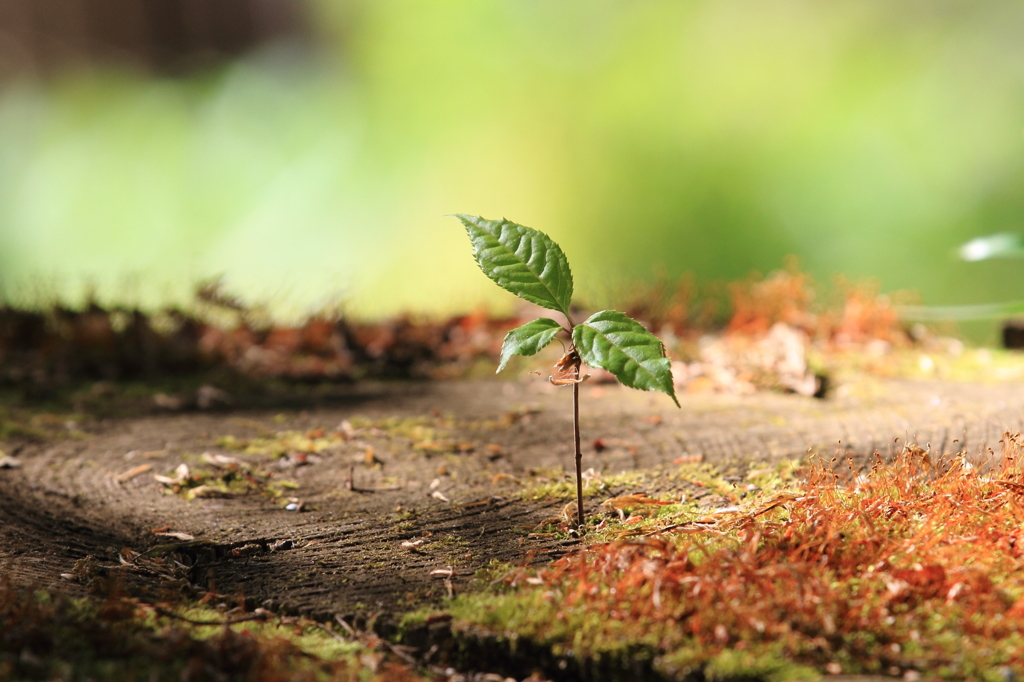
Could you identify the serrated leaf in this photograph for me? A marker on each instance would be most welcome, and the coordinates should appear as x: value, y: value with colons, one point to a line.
x: 529, y: 339
x: 522, y: 260
x: 621, y: 345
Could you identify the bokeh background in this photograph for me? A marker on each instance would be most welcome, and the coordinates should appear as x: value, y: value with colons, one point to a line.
x: 308, y: 152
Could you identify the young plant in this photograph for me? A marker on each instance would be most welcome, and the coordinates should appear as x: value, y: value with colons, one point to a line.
x: 529, y: 264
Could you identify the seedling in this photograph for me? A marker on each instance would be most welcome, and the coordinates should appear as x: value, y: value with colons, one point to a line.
x: 529, y: 264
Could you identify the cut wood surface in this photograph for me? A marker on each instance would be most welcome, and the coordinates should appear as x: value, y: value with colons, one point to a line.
x: 393, y: 505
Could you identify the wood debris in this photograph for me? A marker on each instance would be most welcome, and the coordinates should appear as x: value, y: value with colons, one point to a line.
x: 132, y: 473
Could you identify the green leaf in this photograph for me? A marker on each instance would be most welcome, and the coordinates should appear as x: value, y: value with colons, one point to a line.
x: 521, y: 260
x: 529, y: 339
x: 1002, y: 245
x: 621, y: 345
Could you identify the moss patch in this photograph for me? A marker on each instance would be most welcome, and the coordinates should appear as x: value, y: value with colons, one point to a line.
x: 48, y: 636
x: 912, y: 566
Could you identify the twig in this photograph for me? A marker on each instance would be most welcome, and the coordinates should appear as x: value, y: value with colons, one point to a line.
x: 397, y: 650
x: 331, y: 632
x: 348, y: 628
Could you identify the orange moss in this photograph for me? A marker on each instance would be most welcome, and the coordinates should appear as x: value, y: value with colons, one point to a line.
x: 865, y: 316
x: 784, y: 296
x: 914, y: 565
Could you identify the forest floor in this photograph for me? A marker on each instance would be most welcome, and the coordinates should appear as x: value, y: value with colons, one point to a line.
x: 343, y: 516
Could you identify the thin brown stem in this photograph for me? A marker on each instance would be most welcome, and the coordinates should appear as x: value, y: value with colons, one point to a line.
x: 579, y: 454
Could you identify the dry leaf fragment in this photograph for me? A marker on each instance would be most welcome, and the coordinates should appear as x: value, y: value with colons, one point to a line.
x: 184, y: 537
x: 437, y: 494
x: 567, y: 370
x: 132, y: 473
x: 221, y: 461
x: 412, y: 544
x: 639, y: 499
x: 777, y: 501
x: 250, y: 549
x: 569, y: 382
x: 568, y: 364
x: 209, y: 492
x: 180, y: 474
x: 295, y: 459
x: 346, y: 430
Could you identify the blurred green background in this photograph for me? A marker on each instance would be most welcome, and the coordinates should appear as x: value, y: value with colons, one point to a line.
x: 867, y: 138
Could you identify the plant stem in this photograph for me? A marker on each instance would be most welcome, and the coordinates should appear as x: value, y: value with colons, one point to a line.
x: 579, y: 454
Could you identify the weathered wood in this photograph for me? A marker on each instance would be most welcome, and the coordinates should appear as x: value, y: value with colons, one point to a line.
x: 66, y: 502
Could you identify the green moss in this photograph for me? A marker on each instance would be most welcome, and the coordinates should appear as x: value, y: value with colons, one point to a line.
x: 547, y: 607
x: 49, y: 636
x: 307, y: 636
x: 231, y: 443
x: 734, y: 666
x: 40, y: 425
x: 575, y: 632
x: 423, y: 428
x: 415, y: 619
x: 556, y: 484
x: 487, y: 577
